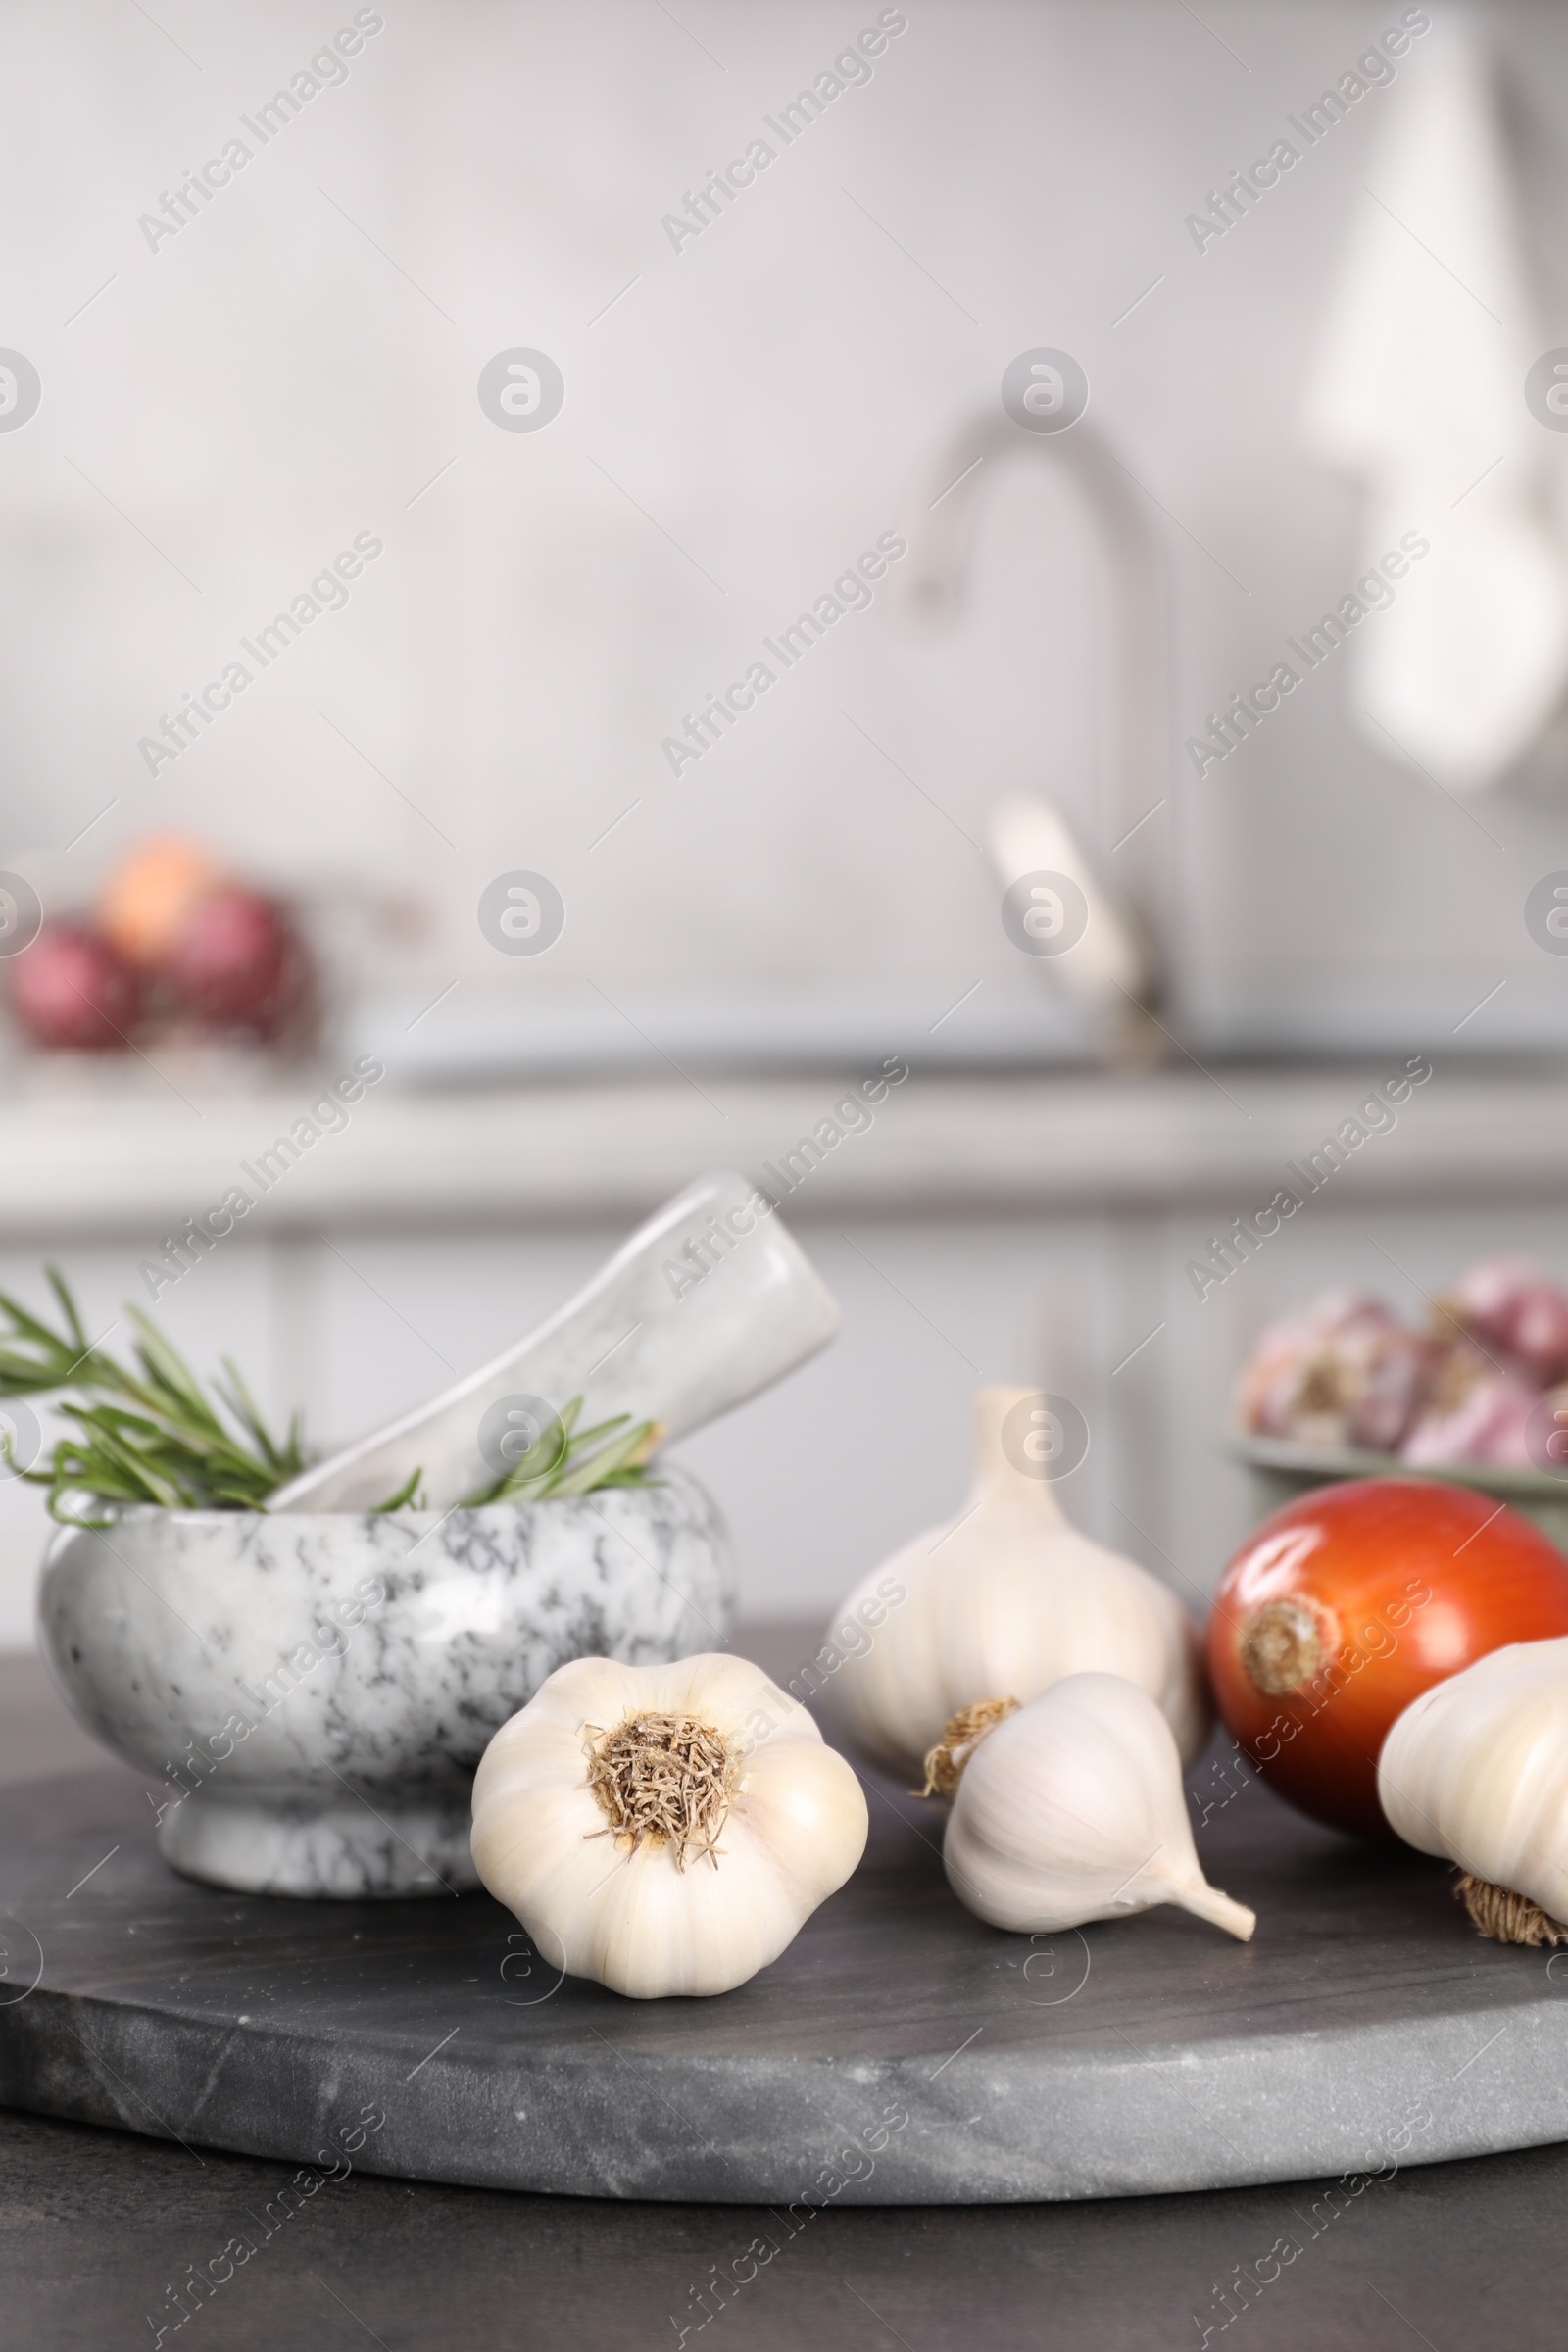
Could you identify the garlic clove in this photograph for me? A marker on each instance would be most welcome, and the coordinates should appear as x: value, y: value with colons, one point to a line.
x: 761, y: 1822
x: 1476, y: 1771
x: 1072, y: 1809
x: 1004, y: 1599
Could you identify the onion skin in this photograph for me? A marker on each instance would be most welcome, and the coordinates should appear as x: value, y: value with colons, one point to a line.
x: 1346, y: 1605
x: 71, y: 991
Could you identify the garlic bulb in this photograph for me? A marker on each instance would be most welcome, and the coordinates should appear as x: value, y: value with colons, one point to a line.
x: 663, y: 1828
x: 1071, y: 1809
x: 1476, y: 1770
x: 1004, y: 1600
x: 1341, y: 1371
x: 1514, y: 1311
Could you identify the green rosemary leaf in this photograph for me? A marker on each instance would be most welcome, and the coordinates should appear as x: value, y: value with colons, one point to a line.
x: 577, y: 1468
x: 532, y: 1471
x: 116, y: 1472
x: 618, y: 1455
x: 405, y: 1494
x: 26, y: 1374
x: 242, y: 1404
x: 152, y: 1435
x: 67, y: 1307
x: 507, y: 1489
x: 64, y: 1518
x: 600, y: 1429
x: 169, y: 1374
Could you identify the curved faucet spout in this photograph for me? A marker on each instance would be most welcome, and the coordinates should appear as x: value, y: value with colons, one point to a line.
x: 1133, y: 848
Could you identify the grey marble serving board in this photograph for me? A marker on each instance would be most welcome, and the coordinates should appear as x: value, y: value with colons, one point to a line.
x: 901, y: 2052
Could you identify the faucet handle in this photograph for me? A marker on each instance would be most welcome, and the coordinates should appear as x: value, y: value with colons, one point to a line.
x: 1093, y: 936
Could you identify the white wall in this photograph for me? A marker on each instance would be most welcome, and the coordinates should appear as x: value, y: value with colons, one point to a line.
x: 294, y: 368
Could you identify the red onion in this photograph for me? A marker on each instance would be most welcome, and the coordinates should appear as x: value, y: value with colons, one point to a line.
x: 71, y: 990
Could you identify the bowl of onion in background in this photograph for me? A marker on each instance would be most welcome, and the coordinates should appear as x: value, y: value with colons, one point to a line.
x: 174, y: 947
x: 1478, y: 1398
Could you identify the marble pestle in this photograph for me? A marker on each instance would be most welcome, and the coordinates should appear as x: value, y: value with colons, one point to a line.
x: 700, y: 1309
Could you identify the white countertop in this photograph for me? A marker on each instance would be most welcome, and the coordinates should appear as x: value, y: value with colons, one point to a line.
x: 105, y: 1152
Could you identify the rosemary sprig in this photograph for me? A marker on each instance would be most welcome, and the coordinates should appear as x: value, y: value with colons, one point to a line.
x: 561, y: 1461
x: 160, y: 1440
x: 156, y: 1436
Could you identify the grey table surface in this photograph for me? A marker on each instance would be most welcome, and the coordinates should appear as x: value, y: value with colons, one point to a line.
x: 97, y: 2225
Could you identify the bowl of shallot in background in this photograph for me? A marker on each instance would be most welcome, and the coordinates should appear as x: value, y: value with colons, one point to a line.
x: 1479, y: 1397
x: 175, y: 947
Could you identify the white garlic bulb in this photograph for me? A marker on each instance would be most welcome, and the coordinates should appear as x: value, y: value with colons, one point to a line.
x: 1002, y: 1601
x: 663, y: 1828
x: 1072, y: 1809
x: 1476, y: 1770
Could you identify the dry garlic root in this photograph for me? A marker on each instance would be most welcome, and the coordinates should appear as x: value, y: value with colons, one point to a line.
x: 1476, y: 1770
x: 1009, y: 1598
x: 1072, y: 1809
x: 663, y: 1828
x: 945, y: 1763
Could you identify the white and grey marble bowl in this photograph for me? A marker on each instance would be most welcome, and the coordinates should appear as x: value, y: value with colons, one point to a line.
x: 318, y: 1687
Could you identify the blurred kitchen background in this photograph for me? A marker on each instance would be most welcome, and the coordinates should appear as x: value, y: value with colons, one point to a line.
x: 236, y: 389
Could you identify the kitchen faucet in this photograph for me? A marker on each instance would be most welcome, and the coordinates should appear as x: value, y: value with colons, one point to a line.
x: 1120, y: 967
